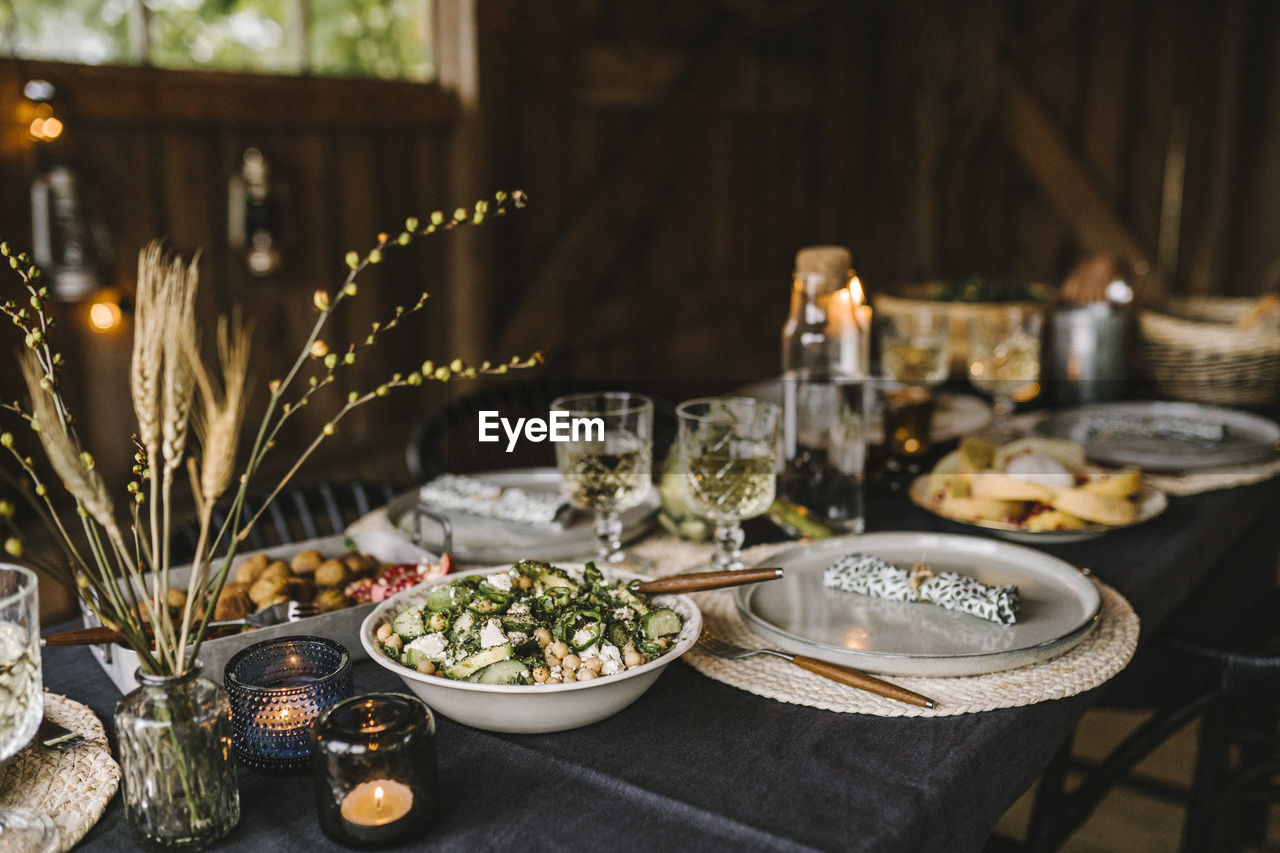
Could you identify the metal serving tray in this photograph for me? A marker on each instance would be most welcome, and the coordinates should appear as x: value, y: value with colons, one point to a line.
x: 121, y: 663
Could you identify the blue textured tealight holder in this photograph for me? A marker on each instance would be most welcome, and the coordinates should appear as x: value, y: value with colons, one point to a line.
x: 278, y: 688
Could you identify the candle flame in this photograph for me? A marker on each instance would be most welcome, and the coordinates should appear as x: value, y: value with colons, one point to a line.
x: 377, y: 798
x: 855, y: 290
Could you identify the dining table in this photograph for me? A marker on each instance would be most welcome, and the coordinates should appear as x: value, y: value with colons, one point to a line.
x: 695, y: 764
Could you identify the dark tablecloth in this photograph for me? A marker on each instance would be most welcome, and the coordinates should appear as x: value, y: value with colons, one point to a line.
x: 697, y: 765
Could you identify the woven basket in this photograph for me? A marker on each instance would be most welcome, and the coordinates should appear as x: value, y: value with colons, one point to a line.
x: 1195, y: 352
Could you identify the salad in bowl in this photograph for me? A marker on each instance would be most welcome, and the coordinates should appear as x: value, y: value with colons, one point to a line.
x: 532, y: 648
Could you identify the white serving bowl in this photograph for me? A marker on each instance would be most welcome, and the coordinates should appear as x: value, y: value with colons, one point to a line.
x: 529, y: 708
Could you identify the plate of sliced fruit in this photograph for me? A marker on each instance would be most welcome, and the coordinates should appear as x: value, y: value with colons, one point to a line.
x: 1035, y: 490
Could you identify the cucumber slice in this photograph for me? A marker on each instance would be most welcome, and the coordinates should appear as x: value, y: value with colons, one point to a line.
x: 661, y: 623
x: 552, y: 578
x: 408, y: 624
x: 502, y: 672
x: 440, y: 598
x: 479, y: 660
x: 413, y: 657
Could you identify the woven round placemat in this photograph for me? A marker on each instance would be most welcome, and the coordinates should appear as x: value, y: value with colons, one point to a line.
x: 72, y: 785
x: 1098, y: 657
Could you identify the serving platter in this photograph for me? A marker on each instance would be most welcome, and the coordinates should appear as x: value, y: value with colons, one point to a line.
x: 1149, y: 501
x: 1159, y: 436
x: 485, y: 540
x: 1060, y: 606
x: 343, y: 626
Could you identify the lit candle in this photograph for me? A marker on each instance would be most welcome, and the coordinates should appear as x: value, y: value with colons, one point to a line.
x: 849, y: 320
x: 377, y: 802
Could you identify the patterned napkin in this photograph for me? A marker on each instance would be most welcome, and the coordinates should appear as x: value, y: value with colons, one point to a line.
x: 454, y: 492
x: 868, y: 575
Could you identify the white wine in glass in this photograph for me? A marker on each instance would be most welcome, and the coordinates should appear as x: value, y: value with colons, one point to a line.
x: 608, y: 471
x: 728, y: 458
x: 21, y: 698
x: 1004, y: 359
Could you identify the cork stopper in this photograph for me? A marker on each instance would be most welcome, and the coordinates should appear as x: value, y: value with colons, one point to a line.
x: 834, y: 262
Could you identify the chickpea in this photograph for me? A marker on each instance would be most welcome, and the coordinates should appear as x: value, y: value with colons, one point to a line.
x: 559, y: 648
x: 384, y: 631
x: 633, y: 659
x: 663, y: 643
x: 523, y: 582
x: 567, y: 676
x: 438, y: 622
x: 550, y: 657
x: 394, y: 642
x: 570, y: 662
x: 590, y: 665
x: 543, y: 636
x: 553, y: 679
x: 541, y: 674
x: 586, y: 674
x: 426, y: 667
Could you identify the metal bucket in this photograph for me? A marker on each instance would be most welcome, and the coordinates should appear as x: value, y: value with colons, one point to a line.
x: 1088, y: 362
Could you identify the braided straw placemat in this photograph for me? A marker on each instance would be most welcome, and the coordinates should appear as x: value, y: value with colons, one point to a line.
x: 1098, y: 657
x: 72, y: 785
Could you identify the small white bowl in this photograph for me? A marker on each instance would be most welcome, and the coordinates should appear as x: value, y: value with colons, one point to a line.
x: 529, y: 708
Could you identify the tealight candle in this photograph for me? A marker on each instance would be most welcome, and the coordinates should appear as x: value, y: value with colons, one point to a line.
x: 278, y: 688
x: 374, y: 758
x: 376, y: 802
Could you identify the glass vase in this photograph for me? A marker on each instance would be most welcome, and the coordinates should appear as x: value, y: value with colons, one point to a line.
x: 177, y: 762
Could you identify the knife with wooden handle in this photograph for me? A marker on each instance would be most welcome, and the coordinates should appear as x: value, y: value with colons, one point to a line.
x: 698, y: 581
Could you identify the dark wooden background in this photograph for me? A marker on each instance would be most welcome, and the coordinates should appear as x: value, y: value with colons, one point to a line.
x: 676, y: 154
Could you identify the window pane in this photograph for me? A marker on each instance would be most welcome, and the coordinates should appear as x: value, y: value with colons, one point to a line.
x: 223, y: 35
x: 372, y: 38
x: 88, y: 31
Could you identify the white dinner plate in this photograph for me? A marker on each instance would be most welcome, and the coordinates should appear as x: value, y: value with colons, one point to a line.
x: 1059, y: 607
x: 1150, y: 502
x: 1163, y: 436
x: 485, y: 540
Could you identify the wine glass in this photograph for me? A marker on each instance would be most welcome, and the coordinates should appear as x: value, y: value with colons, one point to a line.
x: 1004, y: 360
x: 21, y: 698
x: 605, y: 466
x: 728, y: 458
x: 915, y: 355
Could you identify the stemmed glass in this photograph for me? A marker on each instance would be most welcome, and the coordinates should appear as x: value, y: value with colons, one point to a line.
x: 21, y: 699
x: 728, y: 459
x: 606, y: 465
x: 1004, y: 360
x: 915, y: 350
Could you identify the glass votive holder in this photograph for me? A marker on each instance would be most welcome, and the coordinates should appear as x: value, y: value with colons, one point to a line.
x: 278, y: 688
x: 374, y: 758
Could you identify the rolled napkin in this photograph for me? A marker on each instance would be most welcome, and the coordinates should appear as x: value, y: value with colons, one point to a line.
x: 868, y: 575
x: 1156, y: 427
x: 477, y: 497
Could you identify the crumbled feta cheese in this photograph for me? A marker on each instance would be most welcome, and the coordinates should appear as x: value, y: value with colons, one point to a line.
x: 591, y: 651
x: 431, y: 645
x: 517, y: 637
x: 519, y: 608
x: 464, y: 622
x: 556, y: 671
x: 491, y: 634
x: 582, y: 636
x: 611, y: 658
x: 622, y: 614
x: 501, y: 581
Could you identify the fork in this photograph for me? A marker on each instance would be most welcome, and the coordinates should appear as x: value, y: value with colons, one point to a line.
x: 835, y: 672
x: 276, y: 614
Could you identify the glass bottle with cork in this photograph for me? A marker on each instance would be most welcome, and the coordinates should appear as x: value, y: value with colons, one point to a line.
x: 825, y: 368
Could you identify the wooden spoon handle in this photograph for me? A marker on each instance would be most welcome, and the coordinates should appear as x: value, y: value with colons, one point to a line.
x: 854, y: 678
x: 82, y: 637
x: 708, y: 580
